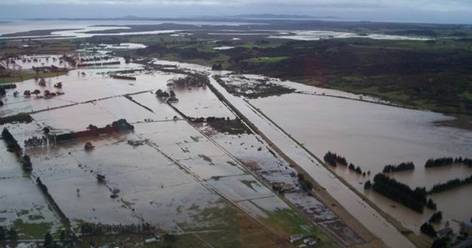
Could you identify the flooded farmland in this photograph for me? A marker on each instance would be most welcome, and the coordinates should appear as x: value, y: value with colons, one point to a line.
x: 115, y: 144
x: 170, y: 172
x: 372, y: 136
x: 322, y: 35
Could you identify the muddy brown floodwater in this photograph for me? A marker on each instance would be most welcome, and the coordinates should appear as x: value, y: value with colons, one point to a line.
x: 372, y: 136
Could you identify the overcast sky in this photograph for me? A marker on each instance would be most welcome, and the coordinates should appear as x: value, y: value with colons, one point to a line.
x: 438, y: 11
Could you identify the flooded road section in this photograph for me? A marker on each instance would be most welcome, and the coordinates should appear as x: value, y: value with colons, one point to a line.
x: 365, y: 214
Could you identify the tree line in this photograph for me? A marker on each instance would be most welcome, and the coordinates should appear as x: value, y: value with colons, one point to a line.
x: 427, y: 228
x: 451, y: 184
x: 334, y: 159
x: 21, y: 118
x: 404, y: 166
x: 415, y: 199
x: 98, y: 229
x: 224, y: 125
x: 13, y: 146
x: 8, y: 234
x: 11, y: 142
x: 192, y: 80
x: 447, y: 161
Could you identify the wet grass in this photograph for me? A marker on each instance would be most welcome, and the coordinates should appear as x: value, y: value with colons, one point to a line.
x: 181, y: 240
x: 263, y: 60
x: 228, y: 226
x: 290, y: 222
x: 31, y: 230
x: 185, y: 240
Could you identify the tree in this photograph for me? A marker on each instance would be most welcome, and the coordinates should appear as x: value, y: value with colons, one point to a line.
x: 431, y: 205
x: 127, y: 59
x: 169, y: 238
x: 304, y: 184
x: 440, y: 243
x: 48, y: 241
x: 62, y: 236
x: 428, y: 229
x: 399, y: 192
x: 12, y: 234
x: 436, y: 217
x: 217, y: 67
x: 405, y: 166
x: 46, y: 130
x: 367, y: 185
x: 2, y: 233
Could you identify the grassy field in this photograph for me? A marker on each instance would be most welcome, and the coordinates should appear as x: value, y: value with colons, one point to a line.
x: 268, y: 60
x: 225, y: 227
x: 31, y: 230
x: 291, y: 222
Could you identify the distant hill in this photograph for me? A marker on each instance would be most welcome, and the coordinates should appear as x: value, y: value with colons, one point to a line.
x: 277, y: 16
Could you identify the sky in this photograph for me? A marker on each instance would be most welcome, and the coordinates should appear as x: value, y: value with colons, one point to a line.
x: 430, y: 11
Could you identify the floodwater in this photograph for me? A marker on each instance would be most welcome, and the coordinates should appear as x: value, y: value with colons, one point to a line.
x: 323, y: 35
x: 28, y: 62
x: 369, y: 217
x: 166, y: 172
x: 122, y: 46
x: 79, y: 28
x: 79, y: 85
x: 223, y: 48
x: 20, y: 198
x: 200, y: 102
x: 180, y: 164
x: 372, y: 136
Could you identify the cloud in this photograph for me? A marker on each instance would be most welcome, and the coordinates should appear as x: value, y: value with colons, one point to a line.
x: 439, y: 5
x: 386, y: 10
x: 421, y: 5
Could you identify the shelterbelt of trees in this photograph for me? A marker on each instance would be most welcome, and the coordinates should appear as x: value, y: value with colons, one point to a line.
x: 405, y: 166
x: 415, y: 199
x: 334, y: 159
x: 448, y: 161
x: 451, y: 184
x: 11, y: 142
